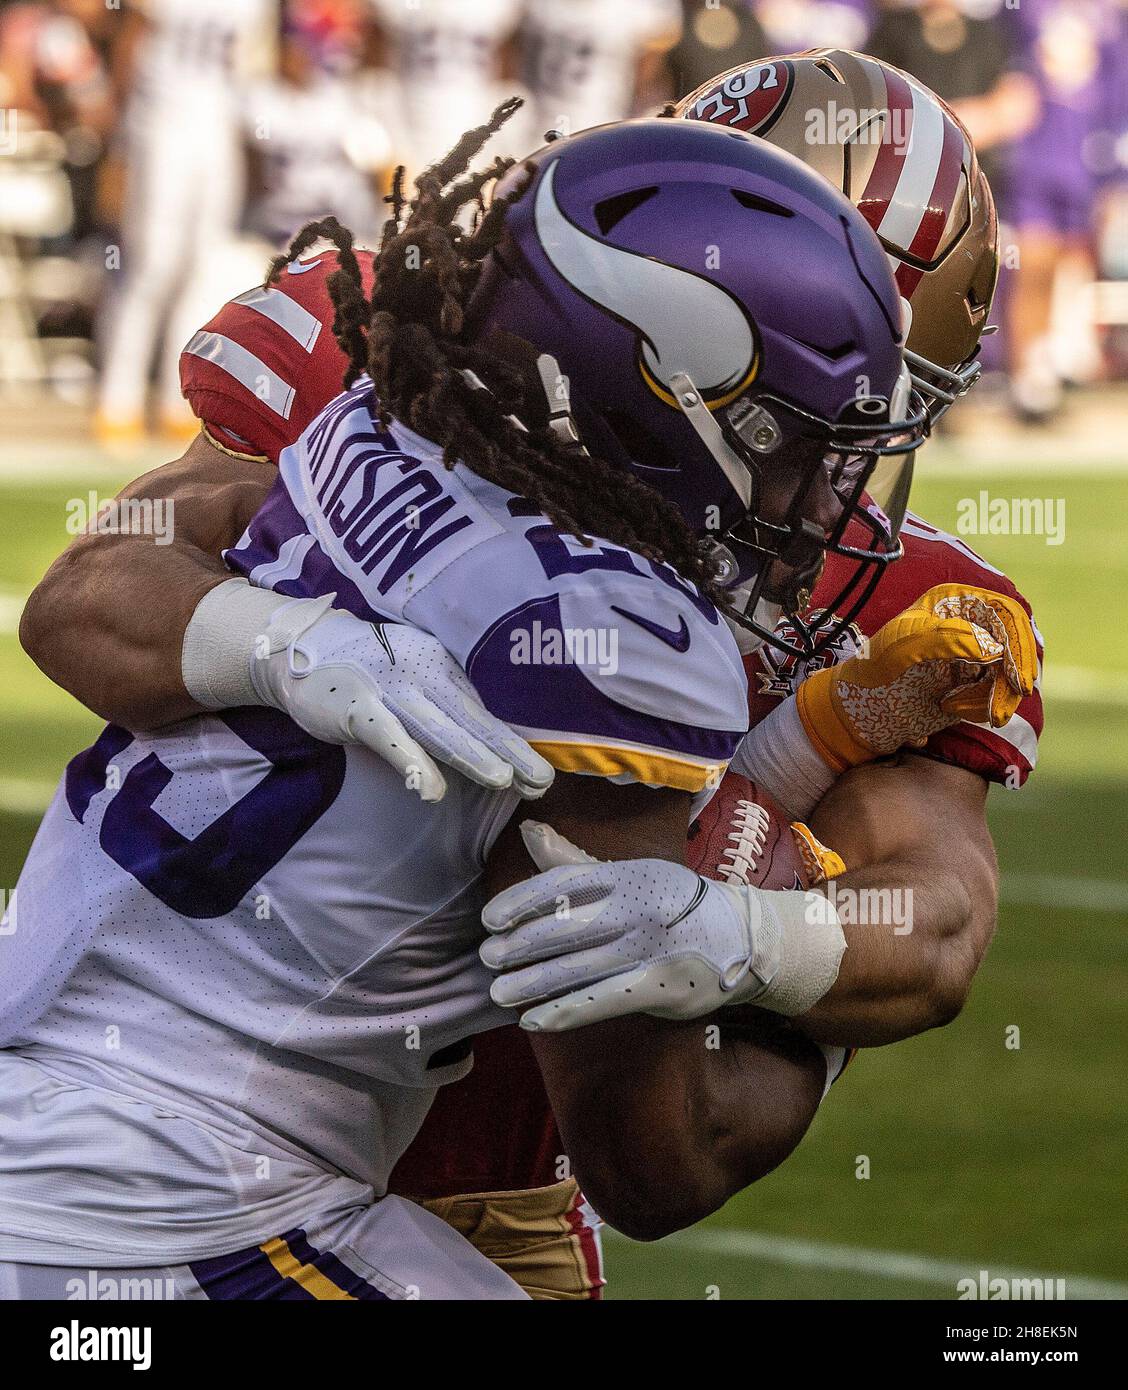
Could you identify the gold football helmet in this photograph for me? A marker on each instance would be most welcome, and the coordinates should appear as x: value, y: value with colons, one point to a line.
x: 905, y: 160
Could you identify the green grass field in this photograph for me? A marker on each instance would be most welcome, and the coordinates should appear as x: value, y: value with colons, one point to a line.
x: 979, y: 1156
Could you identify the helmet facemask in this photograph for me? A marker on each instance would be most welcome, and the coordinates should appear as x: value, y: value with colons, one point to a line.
x: 770, y: 564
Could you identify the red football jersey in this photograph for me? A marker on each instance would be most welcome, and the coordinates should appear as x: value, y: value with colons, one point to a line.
x: 266, y: 364
x: 256, y: 375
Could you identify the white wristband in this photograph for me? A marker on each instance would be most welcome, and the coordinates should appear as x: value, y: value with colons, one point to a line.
x: 811, y: 948
x: 778, y: 756
x: 799, y: 948
x: 219, y: 643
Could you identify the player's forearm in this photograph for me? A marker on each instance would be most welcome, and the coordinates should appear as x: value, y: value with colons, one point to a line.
x: 917, y: 905
x: 644, y: 1123
x: 107, y: 624
x: 910, y: 955
x: 630, y: 1125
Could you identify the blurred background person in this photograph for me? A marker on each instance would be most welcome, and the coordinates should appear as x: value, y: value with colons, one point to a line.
x: 314, y: 143
x: 183, y: 63
x: 715, y: 37
x: 54, y: 76
x: 56, y: 111
x: 1050, y: 333
x: 446, y: 65
x: 1107, y: 154
x: 584, y: 65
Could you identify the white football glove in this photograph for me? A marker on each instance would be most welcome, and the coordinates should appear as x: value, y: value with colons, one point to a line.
x: 392, y: 688
x: 587, y: 941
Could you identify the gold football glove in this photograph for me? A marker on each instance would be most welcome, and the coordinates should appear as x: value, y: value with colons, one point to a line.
x: 957, y: 653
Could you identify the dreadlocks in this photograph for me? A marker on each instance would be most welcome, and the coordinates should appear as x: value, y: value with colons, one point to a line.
x: 408, y: 337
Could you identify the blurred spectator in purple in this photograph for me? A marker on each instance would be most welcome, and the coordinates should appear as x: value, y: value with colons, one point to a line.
x: 1067, y: 47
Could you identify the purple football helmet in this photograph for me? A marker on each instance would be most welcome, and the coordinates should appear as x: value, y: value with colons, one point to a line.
x: 720, y: 315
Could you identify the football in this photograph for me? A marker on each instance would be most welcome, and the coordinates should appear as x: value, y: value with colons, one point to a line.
x: 743, y: 837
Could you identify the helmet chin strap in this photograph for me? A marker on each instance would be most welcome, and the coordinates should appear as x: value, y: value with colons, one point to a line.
x: 766, y: 615
x: 555, y: 386
x: 711, y: 435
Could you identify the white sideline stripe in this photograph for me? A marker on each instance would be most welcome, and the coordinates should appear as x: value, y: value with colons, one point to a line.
x: 11, y: 606
x: 1080, y: 894
x: 850, y: 1259
x: 24, y: 796
x: 1086, y: 683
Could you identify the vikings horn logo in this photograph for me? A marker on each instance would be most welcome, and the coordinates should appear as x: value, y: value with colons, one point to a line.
x: 684, y: 322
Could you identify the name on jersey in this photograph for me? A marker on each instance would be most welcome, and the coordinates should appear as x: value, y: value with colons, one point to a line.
x: 388, y: 511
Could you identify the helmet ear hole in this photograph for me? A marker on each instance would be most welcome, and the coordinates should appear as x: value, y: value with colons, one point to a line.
x: 759, y: 204
x: 644, y: 449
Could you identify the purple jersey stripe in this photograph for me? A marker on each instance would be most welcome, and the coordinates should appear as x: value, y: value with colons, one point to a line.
x: 275, y: 522
x: 572, y: 701
x: 329, y: 1265
x: 246, y: 1274
x: 319, y: 576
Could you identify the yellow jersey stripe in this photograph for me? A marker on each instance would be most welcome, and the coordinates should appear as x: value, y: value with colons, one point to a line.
x: 653, y: 769
x: 312, y: 1280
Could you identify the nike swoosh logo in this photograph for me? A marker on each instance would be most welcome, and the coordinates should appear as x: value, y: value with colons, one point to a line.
x: 692, y: 905
x: 297, y: 268
x: 676, y: 637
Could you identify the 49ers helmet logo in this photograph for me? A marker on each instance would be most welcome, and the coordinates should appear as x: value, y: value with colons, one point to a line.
x: 750, y: 99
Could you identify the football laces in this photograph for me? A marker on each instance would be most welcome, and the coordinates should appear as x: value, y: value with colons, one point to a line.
x: 750, y: 829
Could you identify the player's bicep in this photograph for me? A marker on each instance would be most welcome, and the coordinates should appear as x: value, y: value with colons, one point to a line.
x: 206, y: 497
x: 107, y: 621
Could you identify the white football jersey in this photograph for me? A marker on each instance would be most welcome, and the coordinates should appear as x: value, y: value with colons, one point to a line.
x: 319, y: 146
x: 245, y: 959
x: 580, y: 63
x: 194, y: 52
x: 445, y: 64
